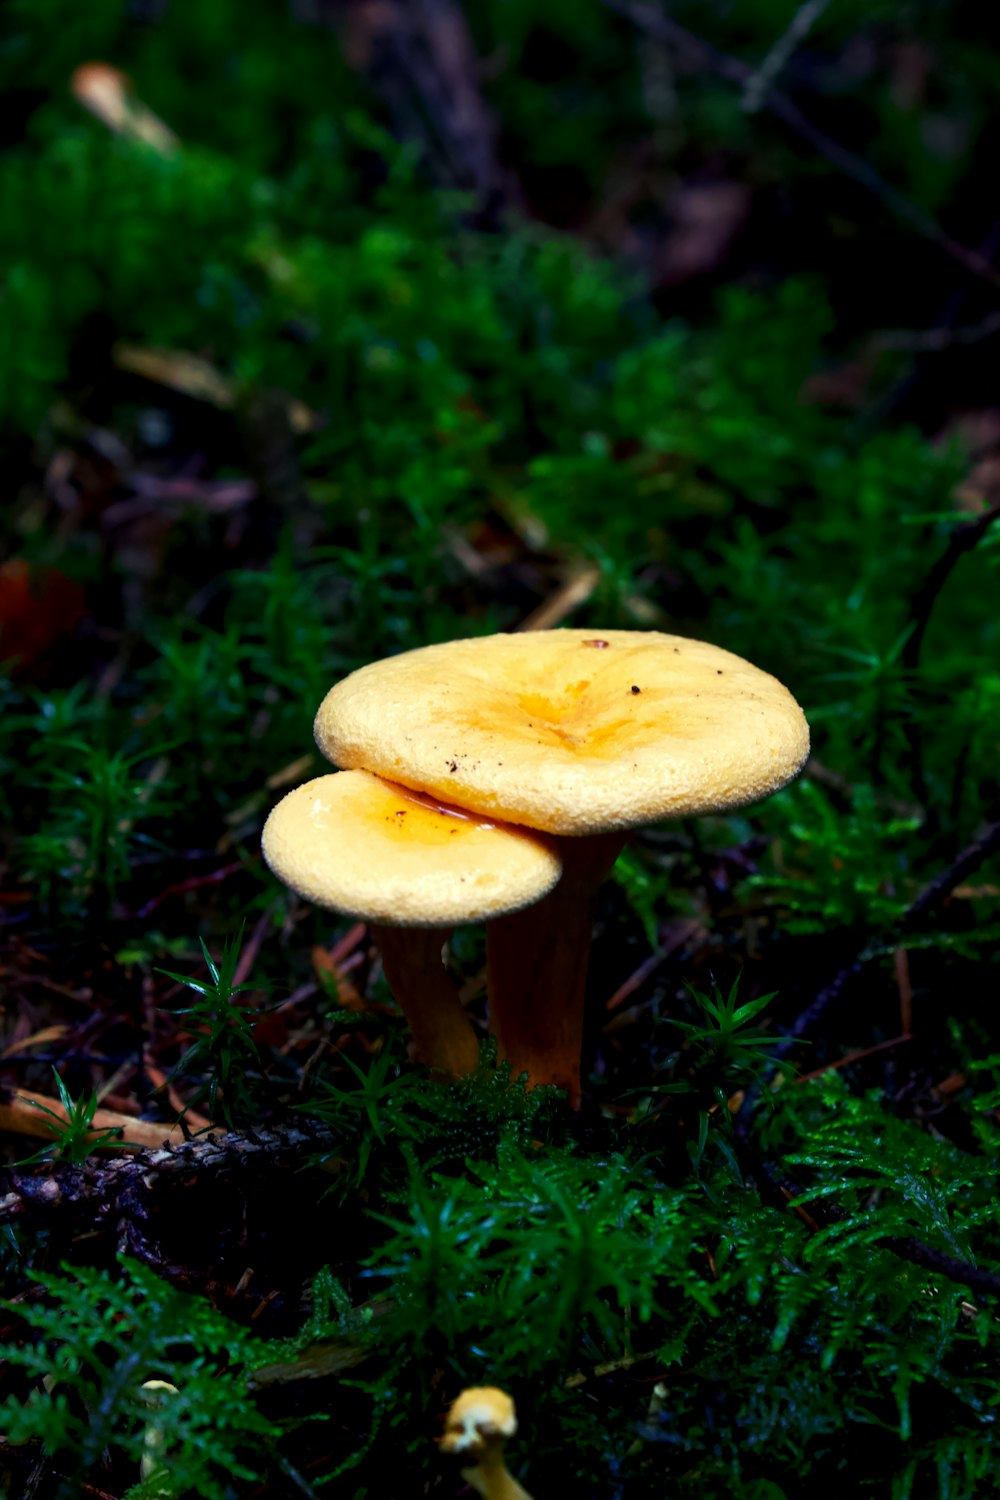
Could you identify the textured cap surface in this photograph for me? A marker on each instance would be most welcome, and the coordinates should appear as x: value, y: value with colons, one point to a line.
x: 480, y: 1412
x: 570, y: 731
x: 354, y: 844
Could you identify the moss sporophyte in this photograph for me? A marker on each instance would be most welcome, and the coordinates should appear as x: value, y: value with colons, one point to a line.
x: 539, y: 756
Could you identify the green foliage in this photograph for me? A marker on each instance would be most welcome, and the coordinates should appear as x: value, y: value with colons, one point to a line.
x: 838, y: 867
x: 75, y: 1136
x: 97, y: 1339
x: 722, y: 1044
x: 509, y: 391
x: 224, y: 1050
x: 97, y: 801
x: 535, y: 1263
x: 512, y: 1265
x: 387, y: 1114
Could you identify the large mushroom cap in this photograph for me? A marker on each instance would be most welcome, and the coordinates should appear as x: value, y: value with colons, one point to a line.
x: 354, y: 844
x: 570, y: 731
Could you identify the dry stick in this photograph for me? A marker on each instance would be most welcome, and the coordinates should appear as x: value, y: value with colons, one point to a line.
x: 970, y: 859
x: 734, y: 71
x: 936, y: 340
x: 194, y: 883
x: 906, y: 1247
x: 250, y: 949
x: 961, y: 1271
x: 853, y: 1057
x: 763, y: 80
x: 934, y: 892
x: 962, y: 539
x: 102, y: 1184
x: 32, y: 1114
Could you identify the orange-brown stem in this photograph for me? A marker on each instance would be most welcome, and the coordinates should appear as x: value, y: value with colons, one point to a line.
x: 491, y: 1476
x: 442, y: 1034
x: 537, y: 968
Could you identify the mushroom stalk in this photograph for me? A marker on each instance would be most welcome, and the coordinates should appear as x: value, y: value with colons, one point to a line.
x: 537, y: 968
x: 412, y: 869
x: 491, y: 1477
x: 441, y: 1033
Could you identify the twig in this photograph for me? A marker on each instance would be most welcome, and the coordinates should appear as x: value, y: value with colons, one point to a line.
x: 679, y: 934
x: 250, y: 949
x: 32, y: 1115
x: 194, y: 883
x: 970, y: 859
x: 109, y: 1186
x: 936, y: 340
x: 962, y: 539
x: 194, y: 1121
x: 932, y: 894
x: 904, y: 984
x: 961, y: 1271
x: 853, y: 1057
x: 807, y: 1019
x: 764, y: 79
x: 737, y: 72
x: 576, y: 590
x: 906, y: 1247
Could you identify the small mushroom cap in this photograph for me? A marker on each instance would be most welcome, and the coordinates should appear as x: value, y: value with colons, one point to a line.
x: 570, y: 731
x: 478, y: 1414
x: 358, y: 845
x: 108, y: 94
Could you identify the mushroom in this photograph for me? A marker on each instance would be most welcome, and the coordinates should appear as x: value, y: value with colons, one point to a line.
x: 478, y: 1423
x: 108, y: 94
x: 577, y: 735
x: 413, y: 868
x: 154, y: 1462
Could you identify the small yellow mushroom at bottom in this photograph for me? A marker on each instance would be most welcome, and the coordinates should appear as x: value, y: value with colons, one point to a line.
x: 478, y: 1423
x: 154, y: 1463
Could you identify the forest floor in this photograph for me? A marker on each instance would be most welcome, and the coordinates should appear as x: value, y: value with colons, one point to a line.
x: 335, y: 331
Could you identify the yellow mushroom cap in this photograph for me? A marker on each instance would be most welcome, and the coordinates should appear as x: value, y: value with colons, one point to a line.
x: 570, y: 731
x: 479, y: 1413
x: 356, y: 844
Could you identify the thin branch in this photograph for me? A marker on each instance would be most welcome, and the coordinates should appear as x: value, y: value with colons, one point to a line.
x: 808, y: 1019
x: 962, y: 539
x: 776, y: 1187
x: 107, y: 1187
x: 45, y: 1118
x: 936, y: 340
x: 737, y: 72
x: 962, y: 1271
x: 763, y: 80
x: 936, y: 891
x: 853, y: 1057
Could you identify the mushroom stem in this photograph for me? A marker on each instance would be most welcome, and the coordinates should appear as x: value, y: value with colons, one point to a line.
x: 537, y: 968
x: 491, y: 1477
x: 441, y: 1033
